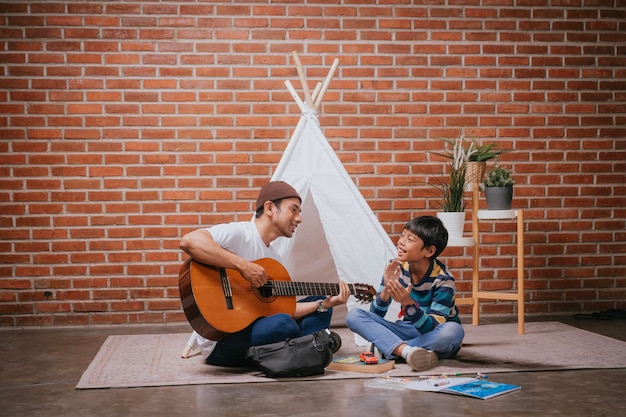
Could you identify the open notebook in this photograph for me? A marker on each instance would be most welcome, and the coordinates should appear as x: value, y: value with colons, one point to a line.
x: 477, y: 387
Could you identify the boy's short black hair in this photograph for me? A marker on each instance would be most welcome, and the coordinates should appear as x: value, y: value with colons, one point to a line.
x: 431, y: 230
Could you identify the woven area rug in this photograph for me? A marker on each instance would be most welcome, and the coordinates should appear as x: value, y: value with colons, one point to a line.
x: 155, y: 359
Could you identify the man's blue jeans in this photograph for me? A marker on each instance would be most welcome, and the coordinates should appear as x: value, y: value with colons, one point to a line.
x: 445, y: 339
x: 231, y: 350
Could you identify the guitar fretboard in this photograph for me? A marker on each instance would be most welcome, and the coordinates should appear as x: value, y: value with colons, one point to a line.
x: 305, y: 288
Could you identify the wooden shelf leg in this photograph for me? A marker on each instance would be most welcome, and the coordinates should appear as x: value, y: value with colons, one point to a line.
x: 475, y: 263
x: 520, y: 271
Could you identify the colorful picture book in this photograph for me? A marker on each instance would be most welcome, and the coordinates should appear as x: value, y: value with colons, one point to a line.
x: 354, y: 364
x: 471, y: 387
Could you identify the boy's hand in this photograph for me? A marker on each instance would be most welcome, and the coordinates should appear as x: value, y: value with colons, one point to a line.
x: 398, y: 292
x: 392, y: 271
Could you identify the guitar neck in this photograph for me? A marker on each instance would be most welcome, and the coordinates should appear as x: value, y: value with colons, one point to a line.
x: 305, y: 288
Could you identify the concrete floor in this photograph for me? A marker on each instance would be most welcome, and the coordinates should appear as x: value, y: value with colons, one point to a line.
x: 41, y: 367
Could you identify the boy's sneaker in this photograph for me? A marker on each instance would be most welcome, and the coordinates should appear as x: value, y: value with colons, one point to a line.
x: 421, y: 359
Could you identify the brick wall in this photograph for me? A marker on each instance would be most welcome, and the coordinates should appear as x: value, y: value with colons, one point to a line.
x: 124, y: 125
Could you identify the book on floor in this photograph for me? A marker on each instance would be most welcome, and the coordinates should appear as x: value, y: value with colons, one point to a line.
x: 471, y: 387
x: 354, y: 364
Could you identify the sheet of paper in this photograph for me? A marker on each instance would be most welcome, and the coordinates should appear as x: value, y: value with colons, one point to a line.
x: 437, y: 384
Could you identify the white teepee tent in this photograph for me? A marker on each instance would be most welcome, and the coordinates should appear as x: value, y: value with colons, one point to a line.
x: 340, y: 238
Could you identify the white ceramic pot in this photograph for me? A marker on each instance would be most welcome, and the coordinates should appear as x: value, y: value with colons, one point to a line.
x: 453, y: 221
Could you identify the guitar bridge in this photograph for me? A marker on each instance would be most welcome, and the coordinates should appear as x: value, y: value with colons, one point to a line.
x: 228, y: 293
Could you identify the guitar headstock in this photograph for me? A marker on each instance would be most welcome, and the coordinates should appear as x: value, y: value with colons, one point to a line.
x: 365, y: 293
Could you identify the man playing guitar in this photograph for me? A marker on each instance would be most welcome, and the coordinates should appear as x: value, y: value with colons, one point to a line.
x: 236, y: 246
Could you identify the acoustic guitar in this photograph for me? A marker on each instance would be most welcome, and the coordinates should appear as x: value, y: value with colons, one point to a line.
x: 219, y: 301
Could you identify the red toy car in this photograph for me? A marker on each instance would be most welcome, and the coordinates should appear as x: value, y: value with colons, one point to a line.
x: 368, y: 358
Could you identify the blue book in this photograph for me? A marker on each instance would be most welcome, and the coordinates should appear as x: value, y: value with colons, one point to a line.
x: 481, y: 388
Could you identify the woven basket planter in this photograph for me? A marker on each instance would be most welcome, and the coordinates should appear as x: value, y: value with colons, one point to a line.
x: 475, y: 172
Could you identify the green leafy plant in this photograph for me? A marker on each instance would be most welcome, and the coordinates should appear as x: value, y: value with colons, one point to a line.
x: 498, y: 176
x: 452, y: 186
x: 485, y: 152
x: 474, y: 151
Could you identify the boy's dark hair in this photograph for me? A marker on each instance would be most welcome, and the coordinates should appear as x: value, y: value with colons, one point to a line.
x: 431, y: 230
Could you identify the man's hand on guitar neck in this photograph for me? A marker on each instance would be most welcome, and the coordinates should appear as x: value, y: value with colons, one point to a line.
x: 341, y: 298
x: 303, y: 309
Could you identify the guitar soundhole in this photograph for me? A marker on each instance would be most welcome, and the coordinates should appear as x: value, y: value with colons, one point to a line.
x: 266, y: 292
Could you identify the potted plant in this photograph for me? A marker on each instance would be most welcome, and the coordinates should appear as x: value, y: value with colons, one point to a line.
x: 452, y: 188
x: 499, y: 188
x: 484, y: 152
x: 477, y: 156
x: 477, y: 161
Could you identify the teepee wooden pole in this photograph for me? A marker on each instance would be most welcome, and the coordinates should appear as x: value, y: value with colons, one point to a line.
x: 316, y: 91
x: 295, y: 96
x: 305, y: 85
x: 329, y: 77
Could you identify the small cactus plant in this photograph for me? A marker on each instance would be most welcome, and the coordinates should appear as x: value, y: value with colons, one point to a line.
x: 499, y: 176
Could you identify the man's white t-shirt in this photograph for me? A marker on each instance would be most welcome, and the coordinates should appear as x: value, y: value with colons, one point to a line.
x: 242, y: 239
